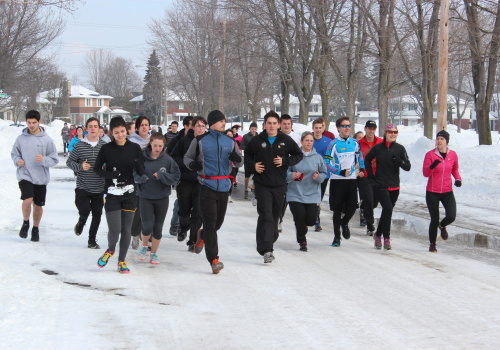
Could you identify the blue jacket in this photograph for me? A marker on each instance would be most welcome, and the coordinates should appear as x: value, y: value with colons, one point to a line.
x: 321, y: 146
x: 341, y: 155
x: 212, y: 150
x: 306, y: 190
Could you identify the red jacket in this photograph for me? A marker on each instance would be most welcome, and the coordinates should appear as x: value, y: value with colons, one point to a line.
x: 365, y: 147
x: 329, y: 134
x: 440, y: 177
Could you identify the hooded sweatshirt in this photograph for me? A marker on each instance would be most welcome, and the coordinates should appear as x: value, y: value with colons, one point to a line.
x: 306, y: 190
x: 136, y: 138
x: 27, y: 147
x: 168, y: 175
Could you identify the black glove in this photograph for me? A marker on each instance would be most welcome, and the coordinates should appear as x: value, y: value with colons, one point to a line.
x: 435, y: 164
x: 396, y: 161
x: 194, y: 165
x: 342, y: 172
x: 234, y: 157
x: 458, y: 183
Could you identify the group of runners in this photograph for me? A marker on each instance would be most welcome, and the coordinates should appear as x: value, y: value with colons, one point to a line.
x: 133, y: 175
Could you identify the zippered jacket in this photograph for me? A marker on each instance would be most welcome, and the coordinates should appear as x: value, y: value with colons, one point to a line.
x: 168, y: 175
x: 306, y: 190
x: 212, y: 150
x: 341, y: 155
x: 178, y: 153
x: 365, y: 148
x: 259, y: 149
x: 27, y: 147
x: 389, y: 160
x: 440, y: 177
x: 86, y: 180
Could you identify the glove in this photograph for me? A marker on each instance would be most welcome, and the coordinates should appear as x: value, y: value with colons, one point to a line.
x: 234, y: 157
x: 300, y: 178
x: 396, y: 161
x: 458, y: 183
x: 435, y: 164
x: 195, y: 165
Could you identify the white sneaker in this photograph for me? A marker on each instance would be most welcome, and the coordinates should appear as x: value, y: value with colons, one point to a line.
x: 142, y: 253
x: 153, y: 259
x: 230, y: 200
x: 135, y: 242
x: 254, y: 201
x: 268, y: 257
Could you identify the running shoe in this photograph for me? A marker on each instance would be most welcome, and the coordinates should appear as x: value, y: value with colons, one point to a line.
x: 103, y: 260
x: 79, y: 228
x: 229, y: 199
x: 35, y: 234
x: 198, y: 246
x: 135, y: 242
x: 23, y: 233
x: 174, y: 230
x: 336, y: 241
x: 93, y: 244
x: 317, y: 226
x: 122, y: 267
x: 254, y: 201
x: 142, y: 253
x: 444, y: 233
x: 246, y: 195
x: 279, y: 228
x: 369, y: 233
x: 362, y: 221
x: 387, y: 244
x: 432, y: 248
x: 378, y: 241
x: 191, y: 247
x: 216, y: 266
x: 268, y: 257
x: 182, y: 235
x: 303, y: 247
x: 153, y: 259
x: 346, y: 233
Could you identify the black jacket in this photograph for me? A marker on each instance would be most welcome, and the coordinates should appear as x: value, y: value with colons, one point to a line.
x: 178, y: 153
x: 171, y: 144
x: 259, y: 149
x: 388, y: 160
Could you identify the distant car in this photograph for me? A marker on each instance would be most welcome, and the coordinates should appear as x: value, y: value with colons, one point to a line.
x: 18, y: 125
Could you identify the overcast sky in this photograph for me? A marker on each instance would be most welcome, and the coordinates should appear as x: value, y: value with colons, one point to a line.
x: 119, y: 25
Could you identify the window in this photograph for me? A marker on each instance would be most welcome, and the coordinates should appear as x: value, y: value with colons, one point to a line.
x: 278, y: 108
x: 413, y: 107
x: 313, y: 108
x: 181, y: 105
x: 88, y: 102
x: 99, y: 102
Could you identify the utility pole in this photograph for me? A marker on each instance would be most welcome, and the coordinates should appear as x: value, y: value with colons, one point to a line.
x: 443, y: 66
x: 223, y: 67
x: 165, y: 114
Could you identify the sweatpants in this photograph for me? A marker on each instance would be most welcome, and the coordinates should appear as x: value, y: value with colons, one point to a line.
x: 345, y: 199
x: 450, y: 206
x: 270, y: 202
x: 304, y: 215
x: 369, y: 202
x: 188, y: 197
x: 137, y: 222
x: 119, y: 223
x: 324, y: 184
x: 65, y: 146
x: 174, y: 221
x: 153, y: 213
x: 87, y: 202
x: 387, y: 200
x: 213, y: 207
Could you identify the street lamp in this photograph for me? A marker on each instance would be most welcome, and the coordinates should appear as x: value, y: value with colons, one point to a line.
x: 164, y: 87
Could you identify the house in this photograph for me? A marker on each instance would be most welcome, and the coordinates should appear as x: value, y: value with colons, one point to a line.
x: 178, y: 107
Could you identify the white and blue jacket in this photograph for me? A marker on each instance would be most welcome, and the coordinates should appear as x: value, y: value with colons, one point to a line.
x: 343, y: 154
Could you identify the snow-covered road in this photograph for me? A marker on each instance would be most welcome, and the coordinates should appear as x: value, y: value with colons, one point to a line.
x: 350, y: 297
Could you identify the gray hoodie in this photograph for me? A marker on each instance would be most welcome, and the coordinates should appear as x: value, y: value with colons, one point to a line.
x: 27, y: 147
x: 135, y: 138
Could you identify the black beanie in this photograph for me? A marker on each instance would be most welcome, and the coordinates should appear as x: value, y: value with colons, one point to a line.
x: 214, y: 117
x: 445, y: 135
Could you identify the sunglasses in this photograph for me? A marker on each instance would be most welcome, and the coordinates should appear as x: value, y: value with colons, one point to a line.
x: 345, y: 126
x: 394, y: 132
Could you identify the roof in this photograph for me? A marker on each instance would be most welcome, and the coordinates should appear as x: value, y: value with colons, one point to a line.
x: 172, y: 96
x: 77, y: 91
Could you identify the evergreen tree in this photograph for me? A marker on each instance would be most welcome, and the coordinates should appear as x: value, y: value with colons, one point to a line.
x: 153, y: 88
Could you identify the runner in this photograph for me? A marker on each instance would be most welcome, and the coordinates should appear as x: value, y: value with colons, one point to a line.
x: 160, y: 173
x: 66, y: 136
x: 33, y: 153
x: 439, y: 165
x: 78, y: 137
x: 249, y: 169
x: 103, y: 136
x: 188, y: 189
x: 272, y: 152
x: 130, y: 129
x: 89, y: 191
x: 341, y: 158
x: 116, y: 162
x: 389, y: 157
x: 174, y: 125
x: 304, y: 188
x: 286, y: 125
x: 140, y: 137
x: 368, y: 200
x: 211, y: 155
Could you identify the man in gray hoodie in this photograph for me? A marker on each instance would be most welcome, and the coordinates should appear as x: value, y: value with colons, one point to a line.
x: 34, y: 152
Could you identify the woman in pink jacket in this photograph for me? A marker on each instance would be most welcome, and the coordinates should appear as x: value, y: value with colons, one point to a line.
x: 439, y: 165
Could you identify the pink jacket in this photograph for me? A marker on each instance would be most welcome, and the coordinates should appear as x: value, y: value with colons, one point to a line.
x: 440, y: 177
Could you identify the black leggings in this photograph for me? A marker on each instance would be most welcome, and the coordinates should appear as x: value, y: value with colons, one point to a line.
x: 87, y: 202
x: 304, y: 214
x: 450, y: 206
x: 153, y: 213
x: 387, y: 200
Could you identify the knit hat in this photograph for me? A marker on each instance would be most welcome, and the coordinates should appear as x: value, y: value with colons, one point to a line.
x: 391, y: 126
x: 445, y: 135
x: 214, y: 117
